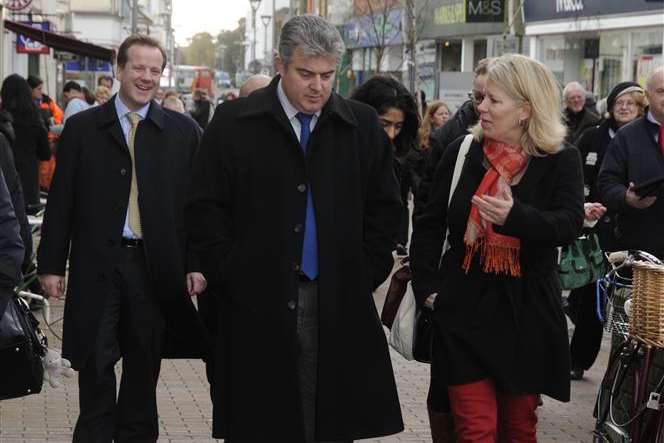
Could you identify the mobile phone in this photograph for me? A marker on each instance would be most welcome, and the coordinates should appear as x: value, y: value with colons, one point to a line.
x: 650, y: 187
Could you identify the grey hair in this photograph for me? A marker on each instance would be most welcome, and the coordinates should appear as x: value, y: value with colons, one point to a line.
x: 572, y: 86
x: 314, y: 35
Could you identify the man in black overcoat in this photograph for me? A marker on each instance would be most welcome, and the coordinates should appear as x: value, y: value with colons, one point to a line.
x: 293, y: 209
x: 115, y: 210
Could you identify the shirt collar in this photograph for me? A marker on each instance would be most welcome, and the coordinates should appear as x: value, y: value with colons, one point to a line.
x: 651, y: 119
x: 122, y: 109
x: 289, y: 109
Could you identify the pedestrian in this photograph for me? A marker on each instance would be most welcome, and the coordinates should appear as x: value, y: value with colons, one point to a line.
x: 88, y: 96
x: 76, y: 102
x: 116, y: 211
x: 577, y: 116
x: 633, y: 157
x: 293, y: 210
x: 203, y: 110
x: 398, y: 115
x: 500, y: 336
x: 626, y: 102
x: 458, y: 125
x: 436, y: 116
x: 105, y: 81
x: 254, y: 82
x: 31, y: 139
x: 102, y: 95
x: 11, y: 247
x: 49, y: 109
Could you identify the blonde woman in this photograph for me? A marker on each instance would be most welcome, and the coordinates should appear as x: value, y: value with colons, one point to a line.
x: 500, y: 331
x: 102, y: 94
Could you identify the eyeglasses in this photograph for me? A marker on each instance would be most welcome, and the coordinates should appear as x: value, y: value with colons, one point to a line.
x: 476, y: 97
x: 625, y: 103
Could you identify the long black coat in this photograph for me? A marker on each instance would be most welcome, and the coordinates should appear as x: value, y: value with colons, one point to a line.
x: 514, y: 327
x: 87, y: 205
x: 11, y: 247
x: 30, y: 146
x: 246, y: 215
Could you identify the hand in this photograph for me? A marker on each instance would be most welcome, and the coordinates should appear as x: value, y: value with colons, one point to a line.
x: 593, y: 211
x: 196, y: 284
x: 495, y: 209
x: 428, y: 303
x: 53, y: 285
x: 632, y: 199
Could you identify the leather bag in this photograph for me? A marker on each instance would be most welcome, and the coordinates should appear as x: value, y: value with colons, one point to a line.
x: 581, y: 263
x: 21, y: 351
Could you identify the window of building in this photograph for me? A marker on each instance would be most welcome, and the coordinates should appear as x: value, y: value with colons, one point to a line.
x: 646, y: 53
x: 479, y: 51
x: 451, y: 56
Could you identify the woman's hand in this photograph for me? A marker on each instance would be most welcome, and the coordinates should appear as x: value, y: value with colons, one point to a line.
x: 593, y: 211
x: 495, y: 209
x: 428, y: 303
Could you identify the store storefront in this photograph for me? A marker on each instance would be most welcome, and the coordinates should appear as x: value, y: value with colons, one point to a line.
x: 596, y: 42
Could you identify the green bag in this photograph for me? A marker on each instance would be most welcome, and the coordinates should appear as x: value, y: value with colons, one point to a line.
x: 581, y: 263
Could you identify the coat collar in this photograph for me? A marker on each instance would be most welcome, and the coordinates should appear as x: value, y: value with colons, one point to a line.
x: 266, y: 101
x: 108, y: 114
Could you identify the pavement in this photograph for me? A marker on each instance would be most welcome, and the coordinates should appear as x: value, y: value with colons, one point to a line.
x: 185, y: 411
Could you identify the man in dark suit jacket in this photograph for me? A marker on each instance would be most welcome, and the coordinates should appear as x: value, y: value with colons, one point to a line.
x: 294, y: 208
x: 116, y: 211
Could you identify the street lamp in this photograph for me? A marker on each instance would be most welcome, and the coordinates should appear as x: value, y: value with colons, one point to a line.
x: 266, y: 22
x: 254, y: 7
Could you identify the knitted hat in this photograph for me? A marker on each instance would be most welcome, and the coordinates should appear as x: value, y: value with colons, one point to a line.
x: 621, y: 89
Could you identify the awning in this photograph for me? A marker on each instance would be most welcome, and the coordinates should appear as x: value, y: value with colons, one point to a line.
x: 62, y: 42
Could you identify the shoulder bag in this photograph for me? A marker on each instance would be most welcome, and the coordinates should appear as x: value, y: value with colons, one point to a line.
x: 581, y: 263
x: 411, y: 334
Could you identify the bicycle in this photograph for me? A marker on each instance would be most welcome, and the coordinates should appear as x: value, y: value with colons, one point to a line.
x: 630, y: 401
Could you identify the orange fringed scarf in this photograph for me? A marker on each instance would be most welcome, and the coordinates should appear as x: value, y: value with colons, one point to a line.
x: 499, y: 254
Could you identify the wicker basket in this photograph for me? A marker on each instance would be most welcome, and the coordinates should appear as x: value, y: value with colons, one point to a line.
x: 647, y: 321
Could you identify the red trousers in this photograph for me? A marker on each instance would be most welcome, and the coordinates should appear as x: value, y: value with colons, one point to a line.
x: 483, y: 415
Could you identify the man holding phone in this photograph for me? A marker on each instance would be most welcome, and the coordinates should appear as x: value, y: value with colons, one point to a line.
x: 634, y: 159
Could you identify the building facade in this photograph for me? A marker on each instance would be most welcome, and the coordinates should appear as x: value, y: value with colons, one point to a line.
x: 597, y: 42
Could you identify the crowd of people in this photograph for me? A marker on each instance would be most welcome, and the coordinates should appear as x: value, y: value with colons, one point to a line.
x: 281, y: 211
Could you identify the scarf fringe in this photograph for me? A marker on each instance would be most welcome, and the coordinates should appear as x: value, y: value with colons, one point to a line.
x: 494, y: 259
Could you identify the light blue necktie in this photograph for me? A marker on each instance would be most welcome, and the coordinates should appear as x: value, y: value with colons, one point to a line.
x: 310, y: 246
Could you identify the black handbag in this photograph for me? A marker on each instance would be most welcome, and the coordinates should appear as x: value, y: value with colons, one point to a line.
x: 21, y: 348
x: 423, y: 335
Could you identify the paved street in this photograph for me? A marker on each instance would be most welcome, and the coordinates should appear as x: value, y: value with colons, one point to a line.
x: 185, y: 409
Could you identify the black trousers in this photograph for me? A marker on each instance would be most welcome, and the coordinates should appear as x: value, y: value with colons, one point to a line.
x: 131, y: 328
x: 587, y: 336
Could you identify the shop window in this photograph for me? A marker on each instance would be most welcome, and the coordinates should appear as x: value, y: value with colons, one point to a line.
x: 451, y: 56
x: 646, y: 53
x: 612, y: 48
x: 479, y: 51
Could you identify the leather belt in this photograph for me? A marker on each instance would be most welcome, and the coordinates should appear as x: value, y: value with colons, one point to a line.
x: 131, y: 243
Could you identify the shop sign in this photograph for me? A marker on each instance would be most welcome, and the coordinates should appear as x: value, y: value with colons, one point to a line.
x: 469, y: 11
x: 87, y: 64
x: 379, y: 29
x: 17, y: 5
x: 540, y: 10
x: 25, y: 45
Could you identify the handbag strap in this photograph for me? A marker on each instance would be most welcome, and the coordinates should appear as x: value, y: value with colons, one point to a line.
x: 458, y: 166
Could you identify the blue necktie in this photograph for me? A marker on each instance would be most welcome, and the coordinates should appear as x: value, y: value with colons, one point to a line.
x: 310, y: 246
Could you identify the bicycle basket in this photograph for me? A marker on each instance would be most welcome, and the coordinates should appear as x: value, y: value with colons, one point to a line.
x: 647, y: 320
x: 616, y: 320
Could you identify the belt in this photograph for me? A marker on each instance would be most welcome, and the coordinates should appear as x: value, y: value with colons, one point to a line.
x: 304, y: 279
x: 131, y: 243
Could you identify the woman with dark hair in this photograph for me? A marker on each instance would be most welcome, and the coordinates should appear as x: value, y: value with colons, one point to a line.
x: 397, y: 113
x: 31, y: 138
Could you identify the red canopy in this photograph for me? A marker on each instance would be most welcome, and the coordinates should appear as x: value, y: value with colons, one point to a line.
x: 62, y: 42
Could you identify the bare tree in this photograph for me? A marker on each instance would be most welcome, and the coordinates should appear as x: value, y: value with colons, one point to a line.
x: 381, y: 30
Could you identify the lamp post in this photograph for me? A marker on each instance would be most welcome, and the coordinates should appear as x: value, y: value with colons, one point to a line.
x: 266, y: 22
x: 254, y: 7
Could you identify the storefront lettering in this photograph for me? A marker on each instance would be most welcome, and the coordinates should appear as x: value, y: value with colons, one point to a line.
x: 569, y: 5
x: 485, y: 7
x: 448, y: 14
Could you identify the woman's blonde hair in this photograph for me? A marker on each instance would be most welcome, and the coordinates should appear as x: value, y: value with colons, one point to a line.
x: 530, y: 83
x: 425, y: 128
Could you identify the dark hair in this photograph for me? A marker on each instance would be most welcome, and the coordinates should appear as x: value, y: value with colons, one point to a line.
x: 34, y: 81
x: 482, y: 66
x: 71, y: 84
x: 139, y: 40
x: 383, y: 93
x: 16, y: 97
x: 89, y: 96
x: 104, y: 77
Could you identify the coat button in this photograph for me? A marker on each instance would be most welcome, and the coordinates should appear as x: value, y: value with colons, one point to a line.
x: 296, y: 267
x: 298, y: 228
x: 301, y: 187
x: 123, y: 171
x: 291, y: 305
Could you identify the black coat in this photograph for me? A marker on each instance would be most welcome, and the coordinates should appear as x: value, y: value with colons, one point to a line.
x: 245, y: 219
x: 87, y: 205
x: 577, y: 123
x: 514, y: 327
x: 13, y: 182
x: 30, y: 146
x: 11, y: 247
x: 634, y: 156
